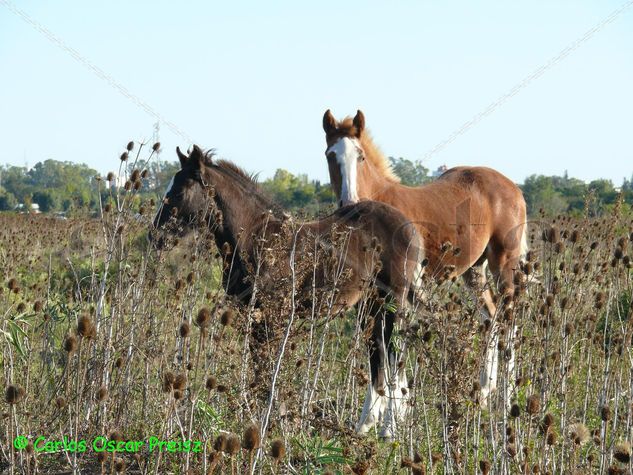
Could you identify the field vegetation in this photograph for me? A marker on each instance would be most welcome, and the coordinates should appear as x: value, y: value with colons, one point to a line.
x: 104, y: 337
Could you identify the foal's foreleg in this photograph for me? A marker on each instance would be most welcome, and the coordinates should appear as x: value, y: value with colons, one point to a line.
x: 397, y: 397
x: 397, y: 386
x: 375, y: 401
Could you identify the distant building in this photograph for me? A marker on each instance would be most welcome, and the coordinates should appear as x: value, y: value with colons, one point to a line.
x: 118, y: 182
x: 440, y: 170
x: 35, y: 208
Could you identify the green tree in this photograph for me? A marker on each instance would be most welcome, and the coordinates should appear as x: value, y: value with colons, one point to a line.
x: 411, y: 173
x: 48, y: 200
x: 7, y: 200
x: 539, y: 193
x: 14, y: 180
x: 297, y: 191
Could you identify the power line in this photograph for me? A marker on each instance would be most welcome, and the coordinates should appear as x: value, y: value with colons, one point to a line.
x: 96, y: 70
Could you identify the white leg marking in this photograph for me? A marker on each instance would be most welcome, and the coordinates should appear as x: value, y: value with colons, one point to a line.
x: 397, y: 402
x: 511, y: 384
x: 488, y: 377
x: 373, y: 410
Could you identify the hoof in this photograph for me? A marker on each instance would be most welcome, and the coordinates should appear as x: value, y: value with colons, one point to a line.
x: 363, y: 428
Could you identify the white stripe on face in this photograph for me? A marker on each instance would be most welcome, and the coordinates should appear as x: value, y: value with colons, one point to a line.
x: 347, y: 152
x: 160, y: 208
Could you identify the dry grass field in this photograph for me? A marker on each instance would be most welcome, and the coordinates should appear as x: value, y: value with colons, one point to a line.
x: 104, y: 342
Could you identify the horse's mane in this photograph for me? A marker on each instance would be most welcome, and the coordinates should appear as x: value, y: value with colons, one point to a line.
x: 372, y: 152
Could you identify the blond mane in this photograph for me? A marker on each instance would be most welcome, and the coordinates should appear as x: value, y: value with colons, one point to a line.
x: 372, y: 152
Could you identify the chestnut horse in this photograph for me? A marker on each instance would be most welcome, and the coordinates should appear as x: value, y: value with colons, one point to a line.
x: 480, y: 212
x: 381, y: 249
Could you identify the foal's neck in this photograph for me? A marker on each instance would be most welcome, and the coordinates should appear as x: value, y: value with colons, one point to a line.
x: 244, y: 217
x: 244, y: 211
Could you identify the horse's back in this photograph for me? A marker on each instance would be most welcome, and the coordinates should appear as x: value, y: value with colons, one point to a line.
x: 502, y: 197
x: 470, y: 207
x: 483, y: 179
x: 492, y: 188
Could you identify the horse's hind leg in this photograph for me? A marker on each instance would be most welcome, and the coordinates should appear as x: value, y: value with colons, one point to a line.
x: 475, y: 278
x: 504, y: 260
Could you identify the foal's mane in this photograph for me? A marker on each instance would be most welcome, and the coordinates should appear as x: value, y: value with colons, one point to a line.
x: 248, y: 182
x: 239, y: 171
x: 372, y: 153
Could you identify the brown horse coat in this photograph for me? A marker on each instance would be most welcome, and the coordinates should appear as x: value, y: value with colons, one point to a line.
x: 380, y: 247
x: 467, y: 217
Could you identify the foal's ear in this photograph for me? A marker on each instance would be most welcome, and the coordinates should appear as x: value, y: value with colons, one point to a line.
x: 196, y: 156
x: 182, y: 157
x: 329, y: 122
x: 359, y: 122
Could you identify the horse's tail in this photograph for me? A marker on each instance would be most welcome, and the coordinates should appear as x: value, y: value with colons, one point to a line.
x: 523, y: 250
x: 416, y: 292
x: 523, y: 246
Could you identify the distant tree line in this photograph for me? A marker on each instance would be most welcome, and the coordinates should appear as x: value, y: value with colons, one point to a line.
x: 57, y: 186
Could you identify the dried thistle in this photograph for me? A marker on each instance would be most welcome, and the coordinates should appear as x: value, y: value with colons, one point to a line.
x: 533, y: 404
x: 622, y: 452
x: 277, y: 450
x: 251, y: 439
x: 13, y: 394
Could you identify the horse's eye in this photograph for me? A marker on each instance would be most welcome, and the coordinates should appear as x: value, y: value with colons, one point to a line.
x: 361, y: 156
x: 331, y: 156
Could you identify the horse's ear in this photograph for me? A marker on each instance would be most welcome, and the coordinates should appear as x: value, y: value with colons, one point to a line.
x: 329, y: 122
x: 359, y: 122
x: 197, y: 155
x: 182, y: 157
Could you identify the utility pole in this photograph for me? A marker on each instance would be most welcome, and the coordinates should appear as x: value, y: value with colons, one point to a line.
x: 156, y: 139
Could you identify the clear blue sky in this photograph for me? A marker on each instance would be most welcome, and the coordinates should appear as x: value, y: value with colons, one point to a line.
x: 253, y: 79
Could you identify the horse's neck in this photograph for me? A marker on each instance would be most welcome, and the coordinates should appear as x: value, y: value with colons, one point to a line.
x: 373, y: 185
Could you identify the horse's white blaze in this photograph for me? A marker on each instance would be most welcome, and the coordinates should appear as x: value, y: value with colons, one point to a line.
x: 373, y: 410
x: 347, y: 152
x: 160, y: 208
